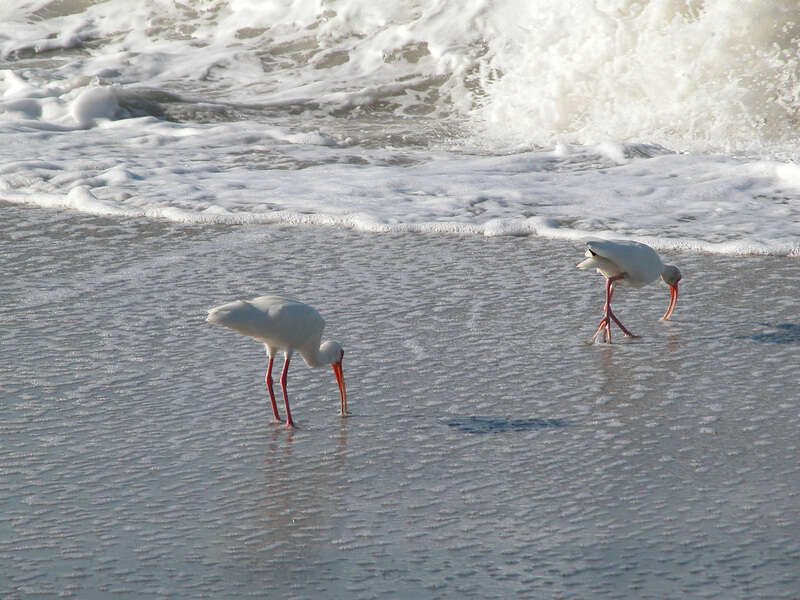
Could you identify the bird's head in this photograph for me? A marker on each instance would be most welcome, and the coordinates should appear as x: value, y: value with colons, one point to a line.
x: 334, y: 353
x: 671, y: 276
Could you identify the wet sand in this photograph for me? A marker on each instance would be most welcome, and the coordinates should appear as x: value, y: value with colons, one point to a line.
x: 492, y: 452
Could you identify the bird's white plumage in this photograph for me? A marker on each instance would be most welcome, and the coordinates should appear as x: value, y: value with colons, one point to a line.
x: 623, y: 262
x: 281, y: 324
x: 639, y: 262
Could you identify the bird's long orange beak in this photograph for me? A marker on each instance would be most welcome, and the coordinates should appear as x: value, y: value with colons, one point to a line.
x: 337, y: 370
x: 673, y: 299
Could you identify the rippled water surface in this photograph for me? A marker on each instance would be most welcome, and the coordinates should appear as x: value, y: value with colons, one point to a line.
x: 492, y: 451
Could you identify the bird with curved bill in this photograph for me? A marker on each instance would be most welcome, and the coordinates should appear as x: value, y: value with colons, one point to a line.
x: 284, y: 325
x: 624, y: 262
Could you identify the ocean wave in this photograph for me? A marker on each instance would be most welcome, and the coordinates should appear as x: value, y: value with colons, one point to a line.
x: 720, y: 75
x: 674, y: 123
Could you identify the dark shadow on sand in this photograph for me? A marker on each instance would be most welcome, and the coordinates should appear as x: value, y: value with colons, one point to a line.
x: 502, y: 425
x: 787, y: 333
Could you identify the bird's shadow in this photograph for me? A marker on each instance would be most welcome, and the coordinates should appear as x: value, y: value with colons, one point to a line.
x: 785, y: 333
x: 502, y: 424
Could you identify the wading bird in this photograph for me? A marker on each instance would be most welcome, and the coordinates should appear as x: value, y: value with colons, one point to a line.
x: 283, y: 325
x: 627, y: 263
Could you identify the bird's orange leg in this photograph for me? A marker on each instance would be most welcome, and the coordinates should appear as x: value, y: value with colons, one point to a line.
x: 621, y: 326
x: 604, y: 326
x: 268, y: 381
x: 289, y: 422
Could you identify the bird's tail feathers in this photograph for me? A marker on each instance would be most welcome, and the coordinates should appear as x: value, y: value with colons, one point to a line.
x: 588, y: 264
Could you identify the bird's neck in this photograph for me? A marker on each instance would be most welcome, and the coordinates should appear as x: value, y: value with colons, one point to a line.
x: 315, y: 358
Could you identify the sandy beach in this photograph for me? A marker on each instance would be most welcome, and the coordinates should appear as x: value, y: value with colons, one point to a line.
x: 493, y: 452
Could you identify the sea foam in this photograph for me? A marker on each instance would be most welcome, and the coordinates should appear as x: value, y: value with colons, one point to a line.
x: 666, y: 122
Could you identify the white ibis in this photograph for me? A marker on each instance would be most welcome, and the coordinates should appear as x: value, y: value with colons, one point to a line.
x: 627, y: 263
x: 283, y: 325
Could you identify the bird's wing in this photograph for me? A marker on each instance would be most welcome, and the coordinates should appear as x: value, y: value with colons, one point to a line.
x: 638, y: 260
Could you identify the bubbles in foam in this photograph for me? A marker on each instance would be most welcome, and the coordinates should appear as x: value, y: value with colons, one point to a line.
x: 94, y: 103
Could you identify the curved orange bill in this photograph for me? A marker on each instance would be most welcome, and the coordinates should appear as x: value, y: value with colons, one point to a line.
x: 337, y: 370
x: 673, y: 299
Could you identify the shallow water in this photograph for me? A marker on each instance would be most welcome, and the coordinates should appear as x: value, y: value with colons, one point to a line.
x: 492, y: 451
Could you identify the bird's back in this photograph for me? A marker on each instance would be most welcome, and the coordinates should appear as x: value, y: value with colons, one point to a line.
x: 281, y: 323
x: 641, y: 263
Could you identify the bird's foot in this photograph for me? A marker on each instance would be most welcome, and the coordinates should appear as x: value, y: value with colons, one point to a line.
x: 620, y: 325
x: 604, y: 328
x: 345, y: 413
x: 601, y: 337
x: 603, y: 331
